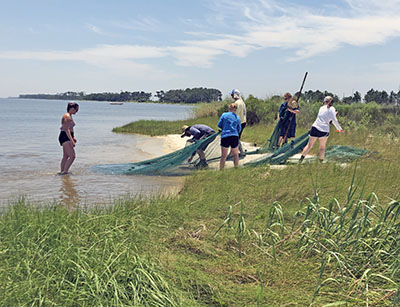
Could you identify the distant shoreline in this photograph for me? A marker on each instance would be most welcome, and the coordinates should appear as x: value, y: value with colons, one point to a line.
x: 106, y: 101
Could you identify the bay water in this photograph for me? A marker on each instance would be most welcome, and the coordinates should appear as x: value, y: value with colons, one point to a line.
x: 30, y: 154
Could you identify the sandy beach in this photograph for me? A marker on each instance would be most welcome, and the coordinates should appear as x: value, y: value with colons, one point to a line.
x: 174, y: 142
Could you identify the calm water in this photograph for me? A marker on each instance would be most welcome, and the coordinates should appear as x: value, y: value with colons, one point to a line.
x: 30, y: 154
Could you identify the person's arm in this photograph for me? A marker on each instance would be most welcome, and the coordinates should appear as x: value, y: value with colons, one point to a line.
x: 279, y: 111
x: 220, y: 125
x: 239, y: 125
x: 196, y: 133
x: 295, y: 111
x: 335, y: 121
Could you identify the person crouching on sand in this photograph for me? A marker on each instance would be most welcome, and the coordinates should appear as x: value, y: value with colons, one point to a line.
x: 66, y: 138
x: 320, y: 128
x: 198, y: 132
x: 230, y: 125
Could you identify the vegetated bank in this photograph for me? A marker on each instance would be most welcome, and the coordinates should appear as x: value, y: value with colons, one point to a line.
x: 306, y: 234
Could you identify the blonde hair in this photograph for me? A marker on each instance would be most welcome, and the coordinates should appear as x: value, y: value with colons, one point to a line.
x: 232, y: 107
x: 328, y: 100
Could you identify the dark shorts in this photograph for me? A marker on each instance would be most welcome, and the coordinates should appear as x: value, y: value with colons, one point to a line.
x: 291, y: 132
x: 63, y: 137
x: 240, y: 134
x: 317, y: 133
x: 230, y: 141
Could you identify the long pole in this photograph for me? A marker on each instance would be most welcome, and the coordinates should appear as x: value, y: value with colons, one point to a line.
x: 297, y: 100
x: 302, y: 84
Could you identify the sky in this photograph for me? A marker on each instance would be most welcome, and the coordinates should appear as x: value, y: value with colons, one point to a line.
x: 261, y: 47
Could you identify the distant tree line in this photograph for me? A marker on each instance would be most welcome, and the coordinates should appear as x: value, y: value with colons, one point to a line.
x: 380, y: 97
x: 200, y: 94
x: 188, y: 95
x: 123, y: 96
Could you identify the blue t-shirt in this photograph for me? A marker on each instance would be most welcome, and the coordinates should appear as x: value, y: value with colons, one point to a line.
x: 230, y: 124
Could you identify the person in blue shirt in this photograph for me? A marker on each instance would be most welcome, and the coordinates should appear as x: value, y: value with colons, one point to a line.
x: 230, y: 125
x: 287, y: 116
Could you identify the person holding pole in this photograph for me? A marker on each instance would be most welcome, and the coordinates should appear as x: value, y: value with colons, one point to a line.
x: 320, y: 129
x: 287, y: 115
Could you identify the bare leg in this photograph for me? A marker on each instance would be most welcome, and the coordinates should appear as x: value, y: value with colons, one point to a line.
x: 201, y: 154
x: 64, y: 158
x: 322, y: 147
x: 280, y: 141
x: 69, y: 156
x: 224, y: 154
x: 235, y: 152
x: 310, y: 144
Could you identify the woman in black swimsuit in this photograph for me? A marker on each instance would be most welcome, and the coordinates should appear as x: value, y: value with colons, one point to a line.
x: 66, y: 137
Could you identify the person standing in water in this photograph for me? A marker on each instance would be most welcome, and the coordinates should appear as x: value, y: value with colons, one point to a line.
x: 320, y: 129
x: 67, y: 139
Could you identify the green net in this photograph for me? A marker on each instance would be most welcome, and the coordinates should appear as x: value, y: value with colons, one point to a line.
x: 282, y: 154
x: 342, y: 153
x: 161, y: 165
x: 175, y: 163
x: 334, y: 153
x: 272, y: 143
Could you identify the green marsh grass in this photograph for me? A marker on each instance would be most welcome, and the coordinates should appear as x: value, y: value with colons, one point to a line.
x: 154, y: 128
x: 52, y: 257
x: 314, y: 234
x: 203, y: 113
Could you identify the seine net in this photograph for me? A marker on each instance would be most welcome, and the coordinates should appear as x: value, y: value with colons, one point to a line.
x: 172, y: 163
x: 176, y: 163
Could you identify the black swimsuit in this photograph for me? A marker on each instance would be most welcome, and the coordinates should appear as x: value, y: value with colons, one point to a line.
x: 63, y: 137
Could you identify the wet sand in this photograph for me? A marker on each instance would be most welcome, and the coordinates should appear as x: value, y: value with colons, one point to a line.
x: 173, y: 142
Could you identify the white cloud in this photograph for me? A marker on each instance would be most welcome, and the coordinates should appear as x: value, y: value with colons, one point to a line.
x: 119, y: 59
x: 89, y: 55
x: 250, y: 25
x: 194, y: 56
x: 265, y: 24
